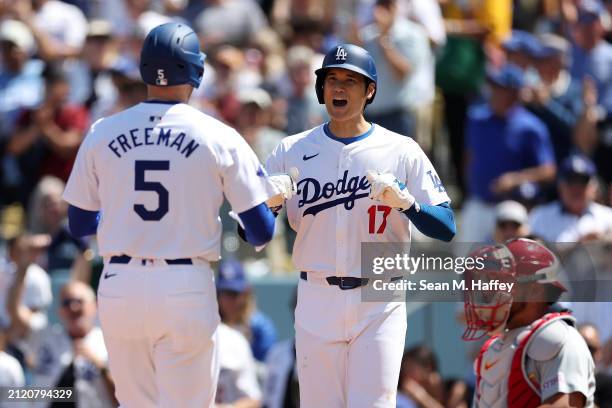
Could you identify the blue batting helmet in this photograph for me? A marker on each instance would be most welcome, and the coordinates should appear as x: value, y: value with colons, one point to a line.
x: 171, y: 56
x: 347, y: 56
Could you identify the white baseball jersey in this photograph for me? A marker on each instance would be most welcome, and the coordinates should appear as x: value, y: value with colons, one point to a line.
x: 557, y: 359
x: 331, y: 211
x: 158, y: 172
x: 238, y: 371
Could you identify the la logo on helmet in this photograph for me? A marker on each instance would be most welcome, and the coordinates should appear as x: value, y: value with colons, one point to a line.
x: 341, y: 54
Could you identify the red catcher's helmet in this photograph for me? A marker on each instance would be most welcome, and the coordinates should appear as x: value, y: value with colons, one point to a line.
x: 520, y: 261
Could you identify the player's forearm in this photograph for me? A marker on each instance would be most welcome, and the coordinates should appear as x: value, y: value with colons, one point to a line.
x: 435, y: 221
x: 82, y: 222
x: 258, y: 224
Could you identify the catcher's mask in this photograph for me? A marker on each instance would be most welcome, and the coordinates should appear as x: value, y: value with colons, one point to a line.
x: 486, y: 311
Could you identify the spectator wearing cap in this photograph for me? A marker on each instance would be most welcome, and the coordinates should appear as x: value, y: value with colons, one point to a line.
x: 519, y: 48
x: 21, y: 84
x: 254, y: 121
x: 556, y: 99
x: 591, y: 53
x: 511, y: 221
x: 238, y: 309
x: 575, y: 217
x: 508, y: 152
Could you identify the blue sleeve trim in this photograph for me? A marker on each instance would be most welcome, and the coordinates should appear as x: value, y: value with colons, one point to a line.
x: 435, y: 221
x: 258, y: 224
x: 82, y: 222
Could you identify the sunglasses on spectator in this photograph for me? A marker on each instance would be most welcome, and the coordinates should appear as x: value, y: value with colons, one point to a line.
x: 578, y: 179
x: 68, y: 302
x: 508, y: 224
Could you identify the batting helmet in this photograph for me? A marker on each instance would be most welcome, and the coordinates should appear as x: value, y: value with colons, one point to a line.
x: 171, y: 56
x: 346, y: 56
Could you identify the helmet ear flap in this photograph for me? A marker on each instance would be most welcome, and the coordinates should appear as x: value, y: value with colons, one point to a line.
x: 319, y: 87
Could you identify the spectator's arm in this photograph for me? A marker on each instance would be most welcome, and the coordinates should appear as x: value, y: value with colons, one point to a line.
x: 22, y: 139
x: 585, y: 132
x: 511, y: 180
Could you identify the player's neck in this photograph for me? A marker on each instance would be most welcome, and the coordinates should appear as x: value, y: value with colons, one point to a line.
x: 349, y: 128
x: 178, y: 93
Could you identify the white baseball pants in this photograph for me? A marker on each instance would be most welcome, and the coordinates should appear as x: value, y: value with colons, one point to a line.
x: 160, y: 328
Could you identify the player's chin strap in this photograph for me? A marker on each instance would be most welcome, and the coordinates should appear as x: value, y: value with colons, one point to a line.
x: 388, y: 189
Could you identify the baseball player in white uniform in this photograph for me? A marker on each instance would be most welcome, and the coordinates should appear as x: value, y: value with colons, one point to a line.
x: 534, y: 358
x: 150, y: 181
x: 348, y: 351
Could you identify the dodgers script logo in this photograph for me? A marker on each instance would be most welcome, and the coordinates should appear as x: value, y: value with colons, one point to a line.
x: 311, y: 192
x: 341, y: 54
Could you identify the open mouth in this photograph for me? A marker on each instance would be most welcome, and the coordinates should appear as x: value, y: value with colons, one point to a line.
x: 339, y: 102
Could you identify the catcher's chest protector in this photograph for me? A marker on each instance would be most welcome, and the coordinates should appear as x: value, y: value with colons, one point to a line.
x: 501, y: 375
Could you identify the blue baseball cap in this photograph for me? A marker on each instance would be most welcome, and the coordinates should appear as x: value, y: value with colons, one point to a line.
x: 231, y: 276
x: 590, y: 10
x: 520, y: 41
x: 577, y: 165
x: 508, y: 76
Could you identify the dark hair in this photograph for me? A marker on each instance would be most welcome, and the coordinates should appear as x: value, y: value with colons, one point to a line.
x: 54, y: 73
x: 423, y: 356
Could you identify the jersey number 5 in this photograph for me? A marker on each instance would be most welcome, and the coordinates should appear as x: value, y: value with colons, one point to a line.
x: 386, y: 210
x: 140, y: 167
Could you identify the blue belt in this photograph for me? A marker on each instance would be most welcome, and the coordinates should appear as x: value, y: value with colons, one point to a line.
x: 125, y: 259
x: 345, y: 282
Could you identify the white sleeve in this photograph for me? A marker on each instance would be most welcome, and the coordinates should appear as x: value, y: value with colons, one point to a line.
x: 75, y: 36
x: 571, y: 370
x: 246, y: 383
x: 422, y: 180
x: 82, y: 187
x: 275, y: 162
x: 245, y: 181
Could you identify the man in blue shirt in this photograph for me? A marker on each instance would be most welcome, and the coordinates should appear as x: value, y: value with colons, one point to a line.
x: 508, y: 153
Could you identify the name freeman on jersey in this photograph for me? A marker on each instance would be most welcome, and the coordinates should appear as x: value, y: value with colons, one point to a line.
x: 147, y: 137
x: 311, y: 191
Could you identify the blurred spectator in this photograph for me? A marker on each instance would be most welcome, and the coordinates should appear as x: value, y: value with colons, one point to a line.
x: 58, y: 27
x: 48, y: 215
x: 405, y: 68
x: 46, y: 139
x: 429, y: 15
x: 591, y: 54
x: 11, y: 373
x: 555, y: 98
x: 253, y: 122
x: 474, y: 31
x: 237, y: 386
x: 456, y: 394
x: 420, y: 384
x: 508, y: 153
x: 519, y: 48
x: 73, y: 355
x: 603, y: 380
x: 130, y: 17
x: 590, y: 334
x: 282, y: 389
x: 25, y: 287
x: 238, y: 310
x: 303, y: 110
x: 575, y: 217
x: 511, y: 221
x: 231, y: 22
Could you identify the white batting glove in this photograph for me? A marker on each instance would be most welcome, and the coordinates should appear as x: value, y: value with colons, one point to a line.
x: 387, y: 189
x: 285, y: 184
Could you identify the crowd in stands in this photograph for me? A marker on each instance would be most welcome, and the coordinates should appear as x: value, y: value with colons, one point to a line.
x: 512, y: 100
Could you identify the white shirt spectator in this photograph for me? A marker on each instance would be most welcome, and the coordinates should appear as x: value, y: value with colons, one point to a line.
x: 238, y: 372
x: 37, y: 291
x: 553, y: 224
x: 429, y: 15
x: 64, y: 22
x: 11, y: 373
x: 52, y: 352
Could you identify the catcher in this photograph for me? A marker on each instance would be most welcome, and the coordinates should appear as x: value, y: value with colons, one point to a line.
x: 533, y: 358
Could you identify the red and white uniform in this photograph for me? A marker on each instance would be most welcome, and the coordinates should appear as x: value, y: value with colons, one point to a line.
x: 525, y: 366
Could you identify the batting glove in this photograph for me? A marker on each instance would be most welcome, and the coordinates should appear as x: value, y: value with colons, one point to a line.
x: 387, y: 189
x: 285, y: 184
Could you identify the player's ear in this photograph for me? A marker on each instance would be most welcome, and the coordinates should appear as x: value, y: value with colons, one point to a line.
x: 370, y: 90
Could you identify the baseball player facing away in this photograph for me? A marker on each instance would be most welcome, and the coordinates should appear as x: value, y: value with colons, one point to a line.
x: 348, y: 350
x: 534, y: 358
x: 155, y: 175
